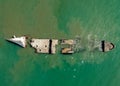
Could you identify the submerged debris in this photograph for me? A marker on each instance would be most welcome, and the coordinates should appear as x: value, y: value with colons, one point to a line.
x: 104, y: 46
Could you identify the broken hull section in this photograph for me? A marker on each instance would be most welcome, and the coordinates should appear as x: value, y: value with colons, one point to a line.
x: 21, y: 41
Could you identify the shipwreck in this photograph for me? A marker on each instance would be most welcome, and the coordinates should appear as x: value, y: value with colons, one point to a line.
x: 67, y: 46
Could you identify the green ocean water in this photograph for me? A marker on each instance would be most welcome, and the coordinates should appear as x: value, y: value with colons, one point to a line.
x: 59, y: 19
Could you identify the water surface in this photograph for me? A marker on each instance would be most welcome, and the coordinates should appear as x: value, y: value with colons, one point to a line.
x: 59, y: 19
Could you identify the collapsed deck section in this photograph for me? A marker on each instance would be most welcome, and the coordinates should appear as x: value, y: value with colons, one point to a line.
x: 67, y: 46
x: 44, y: 45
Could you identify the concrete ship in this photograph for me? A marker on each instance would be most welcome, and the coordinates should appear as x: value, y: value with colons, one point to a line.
x: 68, y: 46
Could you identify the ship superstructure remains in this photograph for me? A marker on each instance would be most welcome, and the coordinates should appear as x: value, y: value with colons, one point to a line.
x: 68, y: 46
x: 44, y: 45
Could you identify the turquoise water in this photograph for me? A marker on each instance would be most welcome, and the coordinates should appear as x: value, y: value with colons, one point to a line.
x: 59, y: 19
